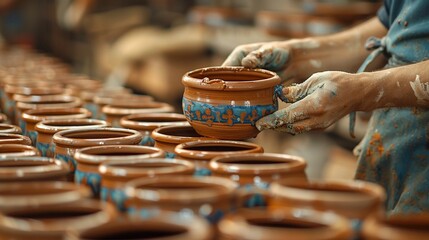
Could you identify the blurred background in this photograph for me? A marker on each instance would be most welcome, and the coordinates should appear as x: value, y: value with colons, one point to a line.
x: 147, y: 45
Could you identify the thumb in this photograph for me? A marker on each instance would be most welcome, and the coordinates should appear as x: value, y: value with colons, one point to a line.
x: 296, y: 92
x: 266, y: 57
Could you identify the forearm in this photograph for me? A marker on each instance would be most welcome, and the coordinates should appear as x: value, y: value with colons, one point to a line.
x: 406, y: 86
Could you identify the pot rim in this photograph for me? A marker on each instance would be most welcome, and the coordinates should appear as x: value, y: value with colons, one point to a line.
x: 78, y: 113
x: 14, y: 138
x: 222, y: 188
x: 23, y: 151
x: 87, y: 156
x: 10, y: 128
x: 48, y: 125
x: 54, y: 168
x: 131, y: 137
x: 3, y: 118
x: 284, y: 164
x: 88, y: 95
x: 34, y: 90
x: 109, y: 100
x: 182, y: 150
x: 158, y: 135
x: 69, y: 102
x: 178, y: 166
x: 149, y: 107
x: 130, y: 121
x: 68, y: 192
x: 268, y: 79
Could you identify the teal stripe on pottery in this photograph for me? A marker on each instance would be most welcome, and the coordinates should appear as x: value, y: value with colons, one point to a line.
x: 67, y: 159
x: 93, y: 108
x: 23, y: 125
x: 202, y: 172
x: 43, y: 148
x: 91, y: 179
x: 170, y: 155
x: 117, y: 196
x: 147, y: 141
x: 33, y: 136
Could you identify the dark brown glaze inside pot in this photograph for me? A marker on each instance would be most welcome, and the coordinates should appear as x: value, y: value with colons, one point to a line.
x: 219, y: 148
x: 284, y: 223
x: 96, y: 135
x: 131, y: 232
x: 180, y: 132
x: 157, y: 119
x: 22, y: 163
x: 231, y: 75
x: 46, y: 214
x: 67, y: 124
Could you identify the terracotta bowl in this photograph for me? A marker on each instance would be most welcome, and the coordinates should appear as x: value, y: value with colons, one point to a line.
x: 89, y: 159
x: 16, y: 169
x: 14, y: 196
x: 396, y: 227
x: 17, y: 150
x: 115, y: 112
x: 68, y: 141
x: 163, y: 226
x: 52, y: 222
x: 147, y: 122
x: 114, y: 175
x: 201, y: 152
x: 102, y: 100
x: 209, y: 197
x: 47, y: 128
x: 8, y: 128
x: 32, y: 117
x: 226, y: 102
x: 11, y: 138
x: 352, y: 199
x: 297, y: 224
x: 167, y: 138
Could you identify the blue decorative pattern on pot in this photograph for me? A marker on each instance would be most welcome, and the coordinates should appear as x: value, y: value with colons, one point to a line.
x: 91, y: 179
x: 170, y: 155
x: 43, y: 148
x: 23, y: 126
x: 67, y: 159
x: 147, y: 141
x: 33, y: 136
x: 93, y: 108
x: 117, y: 196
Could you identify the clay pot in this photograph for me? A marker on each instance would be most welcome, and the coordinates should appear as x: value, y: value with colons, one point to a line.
x: 15, y: 169
x: 3, y: 118
x: 147, y: 122
x: 164, y: 226
x: 210, y: 197
x: 47, y: 128
x: 89, y: 159
x: 352, y: 199
x: 396, y: 227
x: 114, y: 113
x: 283, y: 24
x: 8, y: 128
x: 17, y: 150
x: 114, y: 175
x: 10, y: 138
x: 67, y: 142
x: 74, y: 86
x: 14, y: 196
x: 88, y: 97
x: 167, y: 138
x: 234, y: 99
x: 52, y: 222
x: 34, y: 116
x: 102, y: 100
x: 201, y: 152
x: 297, y: 224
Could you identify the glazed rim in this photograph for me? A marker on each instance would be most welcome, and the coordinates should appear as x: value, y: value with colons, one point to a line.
x: 8, y: 128
x: 107, y: 100
x: 244, y: 223
x: 37, y: 115
x: 51, y: 192
x: 94, y: 213
x: 185, y: 189
x: 334, y: 192
x: 119, y: 136
x: 183, y: 149
x: 257, y: 163
x: 51, y: 101
x: 88, y: 95
x: 36, y: 167
x: 161, y: 134
x: 148, y: 107
x: 56, y: 125
x: 34, y: 90
x: 14, y: 138
x: 98, y: 154
x: 401, y: 226
x: 221, y: 78
x: 186, y: 227
x: 150, y: 121
x: 156, y: 166
x: 19, y: 150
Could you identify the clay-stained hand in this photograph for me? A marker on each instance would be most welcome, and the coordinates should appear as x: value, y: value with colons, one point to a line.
x: 317, y: 103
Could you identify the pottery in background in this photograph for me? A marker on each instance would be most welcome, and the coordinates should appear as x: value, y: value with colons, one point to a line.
x: 17, y: 150
x: 12, y: 138
x: 3, y: 118
x: 9, y: 128
x: 102, y: 100
x: 88, y: 96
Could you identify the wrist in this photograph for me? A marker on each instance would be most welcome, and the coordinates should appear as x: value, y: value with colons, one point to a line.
x: 371, y: 92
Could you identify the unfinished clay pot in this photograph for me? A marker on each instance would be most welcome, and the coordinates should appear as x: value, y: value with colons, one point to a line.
x: 15, y: 196
x: 163, y: 226
x: 297, y: 224
x: 209, y: 197
x: 8, y: 128
x: 201, y: 152
x: 102, y: 100
x: 89, y: 159
x: 67, y: 142
x: 17, y: 150
x: 396, y: 227
x: 34, y: 116
x: 16, y: 169
x: 11, y: 138
x: 52, y: 222
x: 47, y: 128
x: 147, y: 122
x: 167, y: 138
x: 114, y: 175
x: 226, y: 102
x: 115, y: 112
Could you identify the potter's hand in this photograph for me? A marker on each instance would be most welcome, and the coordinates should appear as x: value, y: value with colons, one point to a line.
x: 316, y: 103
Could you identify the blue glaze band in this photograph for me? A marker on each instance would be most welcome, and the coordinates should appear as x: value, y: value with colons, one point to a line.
x: 91, y: 179
x: 33, y: 136
x: 69, y: 160
x: 117, y: 196
x: 43, y: 148
x: 147, y: 141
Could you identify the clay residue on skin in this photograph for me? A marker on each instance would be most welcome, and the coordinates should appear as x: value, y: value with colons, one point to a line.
x: 316, y: 63
x: 306, y: 44
x: 421, y: 90
x: 379, y: 95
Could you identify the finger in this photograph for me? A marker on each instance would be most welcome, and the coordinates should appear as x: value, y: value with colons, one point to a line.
x: 293, y: 113
x: 296, y: 92
x: 301, y: 127
x: 237, y: 55
x: 267, y: 57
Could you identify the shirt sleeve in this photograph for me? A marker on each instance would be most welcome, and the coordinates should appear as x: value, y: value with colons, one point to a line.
x: 383, y: 14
